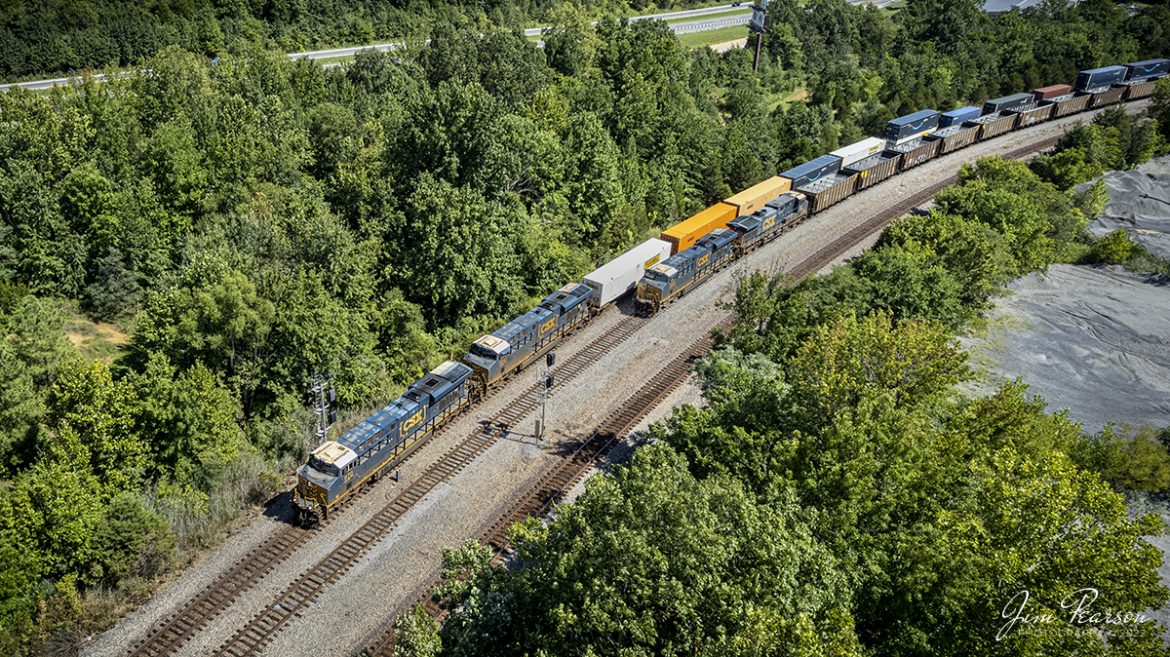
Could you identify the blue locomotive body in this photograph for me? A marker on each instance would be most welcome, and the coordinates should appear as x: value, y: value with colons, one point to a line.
x: 515, y: 344
x: 338, y: 467
x: 680, y: 272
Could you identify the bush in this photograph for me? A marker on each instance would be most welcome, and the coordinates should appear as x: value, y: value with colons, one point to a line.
x: 1129, y: 459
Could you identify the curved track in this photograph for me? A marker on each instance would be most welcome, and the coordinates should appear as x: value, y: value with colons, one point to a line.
x: 168, y: 636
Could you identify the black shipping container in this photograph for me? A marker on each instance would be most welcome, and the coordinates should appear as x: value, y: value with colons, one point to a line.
x: 911, y: 124
x: 1006, y: 103
x: 812, y: 171
x: 1096, y: 78
x: 1150, y: 68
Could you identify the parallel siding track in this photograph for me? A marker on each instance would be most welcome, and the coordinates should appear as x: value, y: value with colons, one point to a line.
x: 305, y: 590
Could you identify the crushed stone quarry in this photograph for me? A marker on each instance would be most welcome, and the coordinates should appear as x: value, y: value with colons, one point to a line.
x: 1139, y: 202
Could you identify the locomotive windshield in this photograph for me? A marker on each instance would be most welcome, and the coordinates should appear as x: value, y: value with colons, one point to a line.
x: 322, y: 467
x: 655, y: 275
x: 480, y: 350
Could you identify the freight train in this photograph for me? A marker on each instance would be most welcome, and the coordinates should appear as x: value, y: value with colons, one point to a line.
x: 659, y: 271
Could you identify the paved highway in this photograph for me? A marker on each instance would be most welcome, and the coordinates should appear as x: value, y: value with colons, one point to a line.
x: 334, y: 53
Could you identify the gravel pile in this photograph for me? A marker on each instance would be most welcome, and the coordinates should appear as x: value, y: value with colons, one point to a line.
x: 1093, y: 340
x: 1139, y: 202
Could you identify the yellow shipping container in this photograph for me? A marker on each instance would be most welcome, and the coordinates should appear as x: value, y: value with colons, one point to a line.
x: 683, y: 236
x: 755, y: 197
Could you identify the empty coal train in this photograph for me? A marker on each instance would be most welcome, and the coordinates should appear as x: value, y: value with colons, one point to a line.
x: 686, y: 255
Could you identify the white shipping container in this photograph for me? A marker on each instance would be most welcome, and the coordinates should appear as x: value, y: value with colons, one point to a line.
x: 621, y: 274
x: 859, y: 151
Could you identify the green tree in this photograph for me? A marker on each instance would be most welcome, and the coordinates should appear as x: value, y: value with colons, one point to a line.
x: 652, y: 561
x: 189, y: 420
x: 131, y: 541
x: 88, y: 403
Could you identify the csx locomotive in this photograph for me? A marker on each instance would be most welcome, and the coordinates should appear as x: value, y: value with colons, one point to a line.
x: 661, y: 270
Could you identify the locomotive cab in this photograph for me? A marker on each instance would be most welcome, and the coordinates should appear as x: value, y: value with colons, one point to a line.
x: 656, y: 285
x: 322, y: 479
x: 487, y: 358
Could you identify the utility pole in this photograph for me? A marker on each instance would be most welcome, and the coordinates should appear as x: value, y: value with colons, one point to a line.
x: 550, y: 359
x: 324, y: 397
x: 756, y: 25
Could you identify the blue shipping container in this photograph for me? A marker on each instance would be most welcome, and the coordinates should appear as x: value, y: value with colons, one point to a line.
x: 1150, y: 68
x: 957, y: 116
x: 812, y: 171
x: 911, y: 124
x: 1094, y: 78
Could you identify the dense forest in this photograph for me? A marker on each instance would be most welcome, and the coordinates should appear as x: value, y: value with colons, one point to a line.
x: 180, y: 252
x: 44, y: 37
x: 839, y: 495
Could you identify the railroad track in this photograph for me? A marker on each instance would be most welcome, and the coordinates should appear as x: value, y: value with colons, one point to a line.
x: 258, y: 632
x: 552, y: 485
x: 562, y: 477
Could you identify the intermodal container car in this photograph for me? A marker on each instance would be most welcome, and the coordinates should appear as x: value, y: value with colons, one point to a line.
x: 684, y: 235
x: 620, y: 275
x: 813, y: 170
x: 916, y: 151
x: 911, y: 125
x: 1139, y: 88
x: 1032, y: 113
x: 954, y: 137
x: 1099, y: 78
x: 994, y: 125
x: 1105, y: 97
x: 1069, y: 104
x: 753, y: 198
x: 875, y: 168
x: 830, y: 190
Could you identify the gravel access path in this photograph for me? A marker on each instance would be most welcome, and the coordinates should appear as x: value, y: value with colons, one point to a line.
x: 390, y: 573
